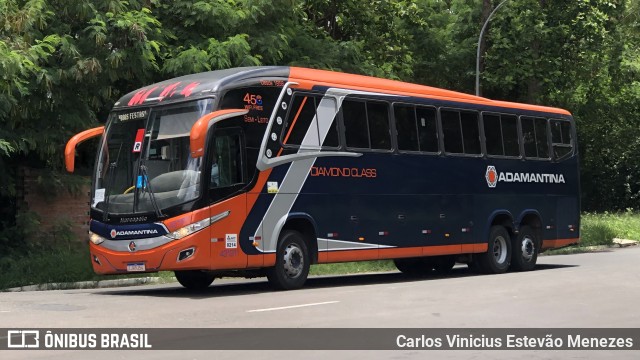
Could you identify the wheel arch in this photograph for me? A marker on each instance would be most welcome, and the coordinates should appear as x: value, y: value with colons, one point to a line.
x: 305, y: 225
x: 500, y: 217
x: 533, y: 219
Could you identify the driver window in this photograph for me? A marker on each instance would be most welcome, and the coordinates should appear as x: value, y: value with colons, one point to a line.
x: 226, y: 164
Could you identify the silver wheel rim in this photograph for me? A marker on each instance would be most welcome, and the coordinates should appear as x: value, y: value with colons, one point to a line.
x: 528, y: 248
x: 500, y: 249
x: 293, y: 261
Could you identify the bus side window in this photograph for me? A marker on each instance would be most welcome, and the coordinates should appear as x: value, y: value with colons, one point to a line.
x: 561, y: 139
x: 451, y: 131
x: 534, y: 137
x: 427, y: 129
x: 501, y: 134
x: 493, y: 134
x: 378, y: 118
x: 226, y: 168
x: 354, y: 114
x: 461, y: 133
x: 470, y: 132
x: 405, y: 116
x: 299, y: 119
x: 510, y: 137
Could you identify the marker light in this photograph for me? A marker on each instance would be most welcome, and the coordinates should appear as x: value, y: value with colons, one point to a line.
x: 95, y: 238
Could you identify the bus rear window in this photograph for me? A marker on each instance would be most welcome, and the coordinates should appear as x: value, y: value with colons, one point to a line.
x: 561, y: 138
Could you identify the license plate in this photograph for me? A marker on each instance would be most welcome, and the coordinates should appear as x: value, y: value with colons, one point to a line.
x: 135, y: 267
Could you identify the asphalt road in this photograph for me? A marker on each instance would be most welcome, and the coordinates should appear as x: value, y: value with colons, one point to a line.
x: 567, y: 291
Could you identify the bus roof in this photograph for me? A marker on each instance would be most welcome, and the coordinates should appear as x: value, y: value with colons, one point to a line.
x: 201, y: 84
x: 367, y: 83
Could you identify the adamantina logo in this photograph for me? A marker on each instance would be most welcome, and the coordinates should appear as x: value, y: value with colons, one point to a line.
x: 493, y: 177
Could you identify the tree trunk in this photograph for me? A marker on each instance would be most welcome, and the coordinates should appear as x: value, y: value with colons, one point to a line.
x: 487, y: 7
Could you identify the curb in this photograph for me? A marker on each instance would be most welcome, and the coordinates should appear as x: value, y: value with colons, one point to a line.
x: 93, y: 284
x: 624, y: 242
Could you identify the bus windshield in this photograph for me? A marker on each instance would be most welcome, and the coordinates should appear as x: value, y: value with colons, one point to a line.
x: 144, y: 161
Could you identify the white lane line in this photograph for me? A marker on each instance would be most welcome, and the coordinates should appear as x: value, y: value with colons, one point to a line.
x: 293, y: 306
x: 5, y: 311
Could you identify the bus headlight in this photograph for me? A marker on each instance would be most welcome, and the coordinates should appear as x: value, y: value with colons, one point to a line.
x: 190, y: 229
x: 95, y: 238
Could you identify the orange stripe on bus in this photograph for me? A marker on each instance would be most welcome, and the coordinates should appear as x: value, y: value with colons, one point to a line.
x: 556, y: 243
x: 352, y: 255
x: 395, y: 253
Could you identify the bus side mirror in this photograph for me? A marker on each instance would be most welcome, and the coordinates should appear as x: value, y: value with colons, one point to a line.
x: 70, y: 149
x: 199, y: 130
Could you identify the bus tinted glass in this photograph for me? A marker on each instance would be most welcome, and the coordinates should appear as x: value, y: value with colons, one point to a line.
x: 366, y: 124
x: 300, y: 125
x: 461, y: 134
x: 405, y: 116
x: 501, y: 134
x: 378, y: 115
x: 427, y: 128
x: 561, y: 138
x: 354, y: 114
x: 534, y: 137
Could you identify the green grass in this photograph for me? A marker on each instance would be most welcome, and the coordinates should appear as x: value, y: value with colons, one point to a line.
x: 598, y: 230
x: 352, y: 267
x: 56, y: 265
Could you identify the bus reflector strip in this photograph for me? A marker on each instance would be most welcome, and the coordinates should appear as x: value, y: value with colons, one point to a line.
x: 214, y: 240
x: 332, y: 235
x: 383, y: 233
x: 426, y: 232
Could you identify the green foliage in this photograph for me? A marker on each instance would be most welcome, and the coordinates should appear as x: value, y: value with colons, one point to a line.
x: 64, y: 63
x: 596, y: 230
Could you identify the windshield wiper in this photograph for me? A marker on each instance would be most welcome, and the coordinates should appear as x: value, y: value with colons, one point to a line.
x: 147, y: 185
x: 111, y: 176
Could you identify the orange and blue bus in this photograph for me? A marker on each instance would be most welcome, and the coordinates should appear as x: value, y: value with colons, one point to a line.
x: 266, y: 170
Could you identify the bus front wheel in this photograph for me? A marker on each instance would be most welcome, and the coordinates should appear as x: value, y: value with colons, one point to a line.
x: 194, y: 279
x: 498, y: 256
x: 525, y: 250
x: 292, y: 262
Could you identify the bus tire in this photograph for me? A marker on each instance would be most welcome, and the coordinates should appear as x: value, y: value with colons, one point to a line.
x: 414, y: 266
x: 525, y: 250
x: 498, y: 256
x: 443, y: 264
x: 194, y: 279
x: 292, y: 262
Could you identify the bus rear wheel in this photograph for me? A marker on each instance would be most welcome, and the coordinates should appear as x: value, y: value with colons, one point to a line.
x: 498, y: 256
x: 525, y: 250
x: 414, y: 266
x: 292, y: 262
x: 194, y: 279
